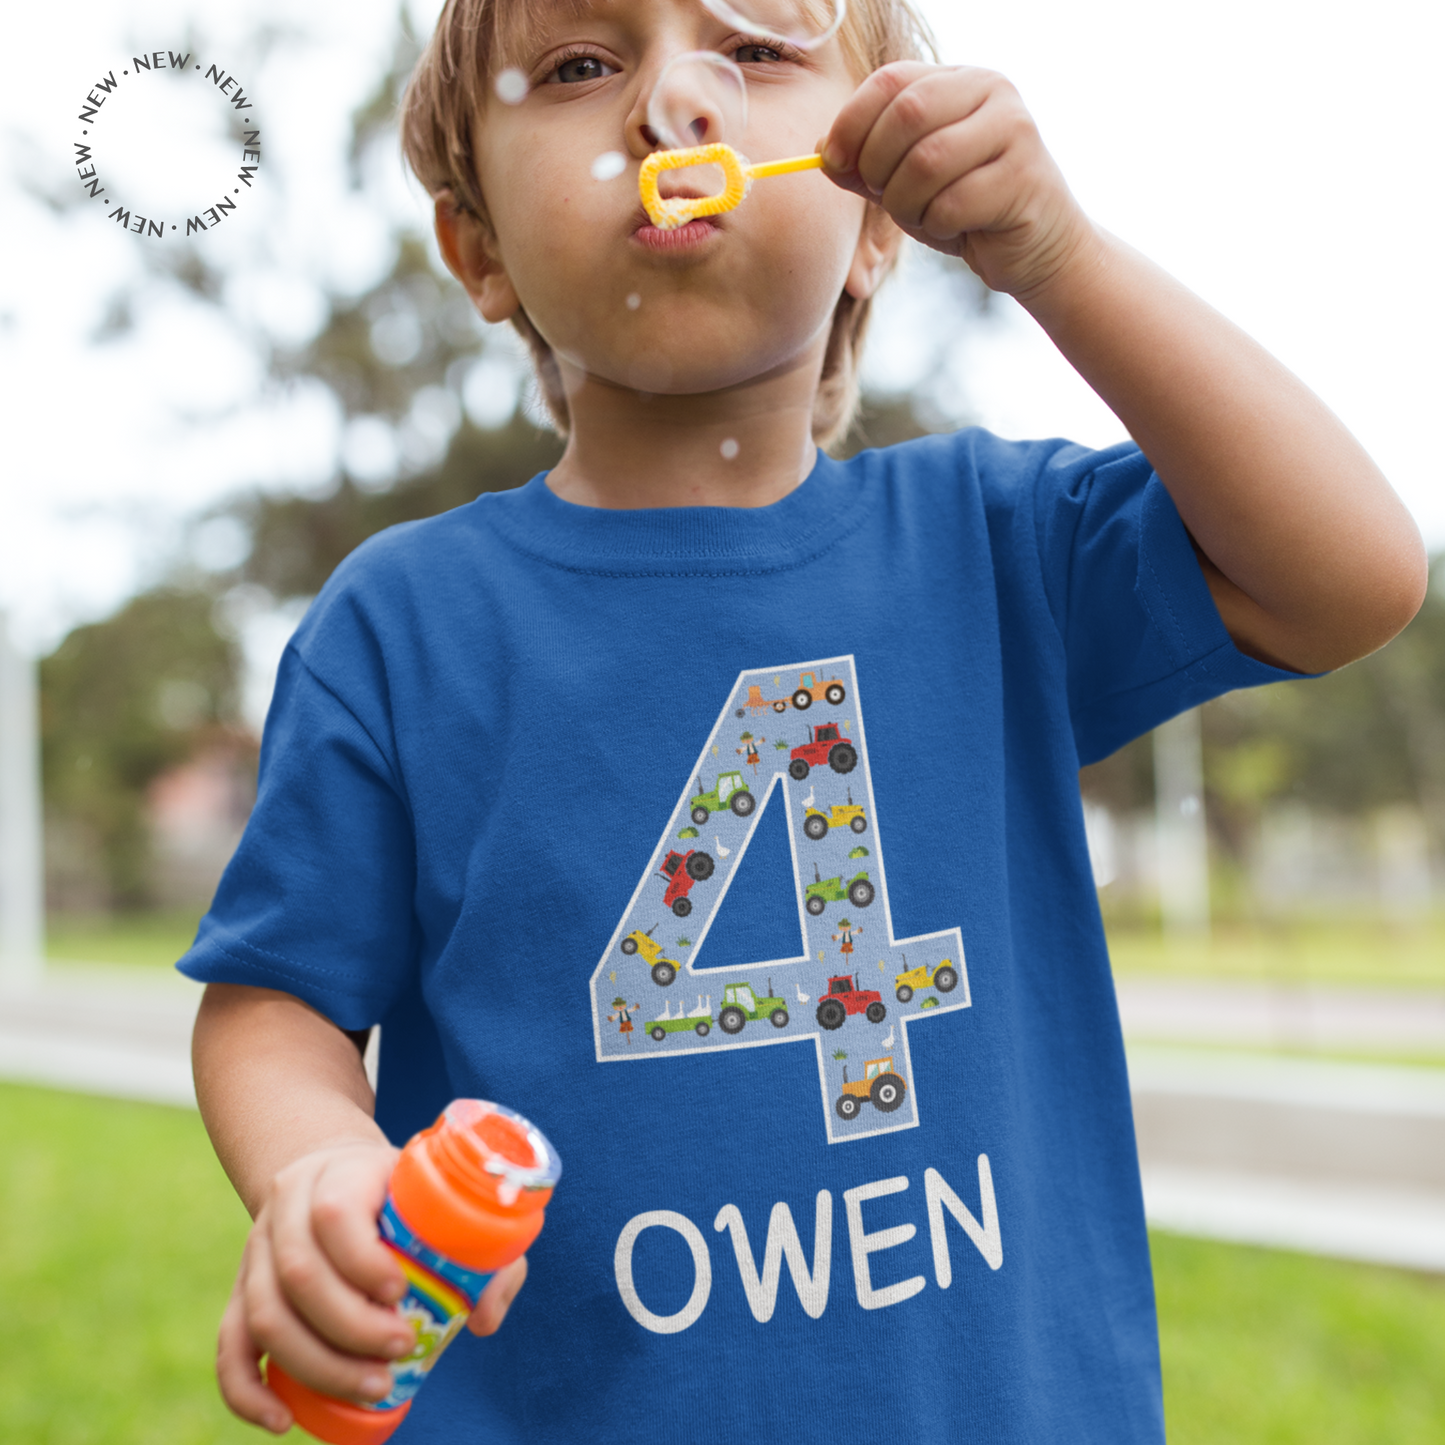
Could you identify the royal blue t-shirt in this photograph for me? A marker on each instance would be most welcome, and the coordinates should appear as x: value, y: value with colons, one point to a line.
x: 580, y: 806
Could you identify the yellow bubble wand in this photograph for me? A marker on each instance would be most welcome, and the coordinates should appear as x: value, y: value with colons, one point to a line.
x: 667, y: 213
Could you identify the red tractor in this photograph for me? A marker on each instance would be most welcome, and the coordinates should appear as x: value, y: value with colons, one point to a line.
x: 682, y: 870
x: 825, y: 745
x: 844, y: 998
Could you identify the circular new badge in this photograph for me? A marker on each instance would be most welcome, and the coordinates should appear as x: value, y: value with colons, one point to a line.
x: 169, y: 145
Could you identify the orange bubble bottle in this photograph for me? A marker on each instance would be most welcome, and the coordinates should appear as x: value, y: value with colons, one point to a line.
x: 467, y: 1196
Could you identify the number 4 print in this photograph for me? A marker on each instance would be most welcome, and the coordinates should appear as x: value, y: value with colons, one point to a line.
x: 649, y: 1005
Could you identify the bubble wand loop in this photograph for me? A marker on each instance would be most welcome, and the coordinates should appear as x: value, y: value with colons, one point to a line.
x: 667, y: 213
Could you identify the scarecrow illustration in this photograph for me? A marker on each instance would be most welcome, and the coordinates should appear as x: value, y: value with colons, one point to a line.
x: 622, y: 1015
x: 845, y: 934
x: 749, y: 750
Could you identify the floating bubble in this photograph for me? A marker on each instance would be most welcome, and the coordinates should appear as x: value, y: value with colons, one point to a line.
x: 803, y: 23
x: 633, y: 301
x: 729, y: 449
x: 512, y: 87
x: 700, y: 98
x: 608, y: 166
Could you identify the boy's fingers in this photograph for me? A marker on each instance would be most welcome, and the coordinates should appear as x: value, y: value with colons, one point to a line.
x: 313, y: 1287
x: 345, y: 1201
x: 935, y: 102
x: 497, y: 1298
x: 851, y: 126
x: 238, y: 1373
x: 941, y: 160
x: 276, y: 1329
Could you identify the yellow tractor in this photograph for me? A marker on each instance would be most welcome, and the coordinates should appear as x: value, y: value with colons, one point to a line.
x: 664, y: 970
x: 879, y: 1085
x: 942, y: 976
x: 841, y: 815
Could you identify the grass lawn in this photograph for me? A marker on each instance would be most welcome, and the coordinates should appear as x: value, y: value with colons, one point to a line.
x: 135, y: 939
x: 119, y: 1234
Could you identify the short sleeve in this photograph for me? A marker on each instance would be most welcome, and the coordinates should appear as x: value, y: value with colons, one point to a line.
x: 1143, y: 639
x: 318, y: 898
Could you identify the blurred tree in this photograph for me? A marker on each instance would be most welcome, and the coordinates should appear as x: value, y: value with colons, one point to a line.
x: 121, y: 702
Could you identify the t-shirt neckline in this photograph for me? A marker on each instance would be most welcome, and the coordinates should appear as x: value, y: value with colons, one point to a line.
x: 681, y: 541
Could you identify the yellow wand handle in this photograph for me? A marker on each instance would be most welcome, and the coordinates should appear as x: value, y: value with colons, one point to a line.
x: 783, y: 168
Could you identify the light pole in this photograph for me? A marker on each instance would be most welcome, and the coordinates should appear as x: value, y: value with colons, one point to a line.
x: 1183, y: 844
x: 22, y: 866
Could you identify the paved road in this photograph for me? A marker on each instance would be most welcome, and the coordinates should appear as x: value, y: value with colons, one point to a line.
x: 1336, y: 1158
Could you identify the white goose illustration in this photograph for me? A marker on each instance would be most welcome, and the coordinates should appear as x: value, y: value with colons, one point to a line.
x: 667, y: 1011
x: 808, y: 801
x: 721, y: 851
x: 702, y: 1010
x: 888, y: 1042
x: 802, y: 997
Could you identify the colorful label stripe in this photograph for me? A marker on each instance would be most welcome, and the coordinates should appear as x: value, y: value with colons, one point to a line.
x: 440, y: 1295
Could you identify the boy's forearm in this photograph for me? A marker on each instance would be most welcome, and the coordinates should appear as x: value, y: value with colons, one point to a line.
x: 1311, y: 557
x: 275, y: 1080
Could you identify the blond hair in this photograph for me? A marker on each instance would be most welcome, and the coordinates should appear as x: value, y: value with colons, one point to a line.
x: 447, y: 92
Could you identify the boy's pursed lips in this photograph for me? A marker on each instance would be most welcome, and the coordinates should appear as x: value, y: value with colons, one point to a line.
x: 681, y: 238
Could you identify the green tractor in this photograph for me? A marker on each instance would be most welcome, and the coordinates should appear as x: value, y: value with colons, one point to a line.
x: 730, y: 791
x: 741, y: 1004
x: 664, y: 970
x: 823, y: 891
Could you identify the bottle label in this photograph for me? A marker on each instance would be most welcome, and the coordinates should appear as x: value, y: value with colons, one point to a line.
x: 440, y: 1295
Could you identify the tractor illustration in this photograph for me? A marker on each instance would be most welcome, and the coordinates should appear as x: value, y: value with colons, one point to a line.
x: 812, y: 688
x: 816, y: 823
x: 879, y: 1085
x: 825, y: 745
x: 664, y: 970
x: 943, y: 977
x: 757, y: 702
x: 844, y: 998
x: 730, y: 791
x: 740, y: 1004
x: 823, y: 891
x: 682, y: 870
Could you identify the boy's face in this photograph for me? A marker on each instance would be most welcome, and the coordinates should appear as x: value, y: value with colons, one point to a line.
x: 741, y: 296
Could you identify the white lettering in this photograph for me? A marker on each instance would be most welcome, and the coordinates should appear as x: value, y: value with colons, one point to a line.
x: 986, y: 1236
x: 863, y: 1244
x: 701, y: 1264
x: 783, y: 1243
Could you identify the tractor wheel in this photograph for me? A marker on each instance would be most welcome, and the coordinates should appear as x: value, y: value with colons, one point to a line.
x: 860, y: 893
x: 663, y: 972
x: 876, y: 1013
x: 945, y: 980
x: 682, y: 907
x: 699, y: 816
x: 732, y: 1019
x: 700, y: 866
x: 703, y: 1029
x: 842, y: 758
x: 859, y: 825
x: 802, y: 699
x: 659, y: 1033
x: 847, y: 1106
x: 781, y: 705
x: 831, y: 1014
x: 742, y: 803
x: 904, y: 993
x: 815, y: 905
x: 629, y: 946
x: 835, y: 694
x: 797, y: 770
x: 815, y: 825
x: 887, y: 1092
x: 779, y: 1016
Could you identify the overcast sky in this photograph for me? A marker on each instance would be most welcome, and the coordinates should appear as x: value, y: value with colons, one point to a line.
x: 1281, y: 158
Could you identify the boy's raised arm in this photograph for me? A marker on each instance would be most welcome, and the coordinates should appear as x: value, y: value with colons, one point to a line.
x: 1312, y: 559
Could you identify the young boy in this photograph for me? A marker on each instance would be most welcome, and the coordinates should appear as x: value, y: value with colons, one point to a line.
x: 449, y: 842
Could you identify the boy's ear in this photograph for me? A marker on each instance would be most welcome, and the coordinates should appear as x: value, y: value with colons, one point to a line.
x: 470, y: 251
x: 878, y: 244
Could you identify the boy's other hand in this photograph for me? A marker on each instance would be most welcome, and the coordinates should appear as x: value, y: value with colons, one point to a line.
x: 316, y: 1287
x: 955, y: 159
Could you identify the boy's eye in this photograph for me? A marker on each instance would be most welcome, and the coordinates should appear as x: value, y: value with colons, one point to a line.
x: 580, y: 68
x: 753, y: 54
